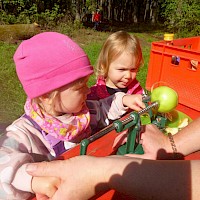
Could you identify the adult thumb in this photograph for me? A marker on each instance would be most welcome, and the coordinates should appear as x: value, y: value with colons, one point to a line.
x: 44, y: 168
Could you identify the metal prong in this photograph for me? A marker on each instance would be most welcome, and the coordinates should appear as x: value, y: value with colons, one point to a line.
x: 153, y: 105
x: 145, y: 96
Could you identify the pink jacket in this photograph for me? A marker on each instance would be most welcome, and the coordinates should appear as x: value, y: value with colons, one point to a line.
x: 22, y: 143
x: 99, y: 91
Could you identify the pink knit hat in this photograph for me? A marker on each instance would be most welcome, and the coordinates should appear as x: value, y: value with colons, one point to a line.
x: 48, y: 61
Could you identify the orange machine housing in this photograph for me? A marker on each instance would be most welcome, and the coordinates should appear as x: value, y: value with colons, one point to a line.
x: 176, y: 65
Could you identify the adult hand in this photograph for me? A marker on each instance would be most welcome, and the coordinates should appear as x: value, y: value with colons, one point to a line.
x: 155, y: 144
x: 80, y: 176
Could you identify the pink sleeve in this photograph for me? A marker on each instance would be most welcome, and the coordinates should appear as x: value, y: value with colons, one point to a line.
x: 98, y: 91
x: 135, y: 88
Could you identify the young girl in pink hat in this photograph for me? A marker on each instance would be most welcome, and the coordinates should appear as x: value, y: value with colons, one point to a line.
x: 53, y: 71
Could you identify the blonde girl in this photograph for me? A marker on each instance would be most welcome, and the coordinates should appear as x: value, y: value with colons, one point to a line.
x: 117, y: 66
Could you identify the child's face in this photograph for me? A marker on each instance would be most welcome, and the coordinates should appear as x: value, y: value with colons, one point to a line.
x: 72, y: 97
x: 122, y: 71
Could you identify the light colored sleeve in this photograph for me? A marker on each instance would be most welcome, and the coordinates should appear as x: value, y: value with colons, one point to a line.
x: 106, y: 110
x: 13, y: 176
x: 17, y: 149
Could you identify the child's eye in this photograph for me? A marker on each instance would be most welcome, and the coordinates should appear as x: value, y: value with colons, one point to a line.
x: 134, y: 70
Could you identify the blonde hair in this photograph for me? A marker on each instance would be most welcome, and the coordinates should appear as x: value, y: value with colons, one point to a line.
x: 113, y: 47
x: 54, y: 95
x: 51, y: 96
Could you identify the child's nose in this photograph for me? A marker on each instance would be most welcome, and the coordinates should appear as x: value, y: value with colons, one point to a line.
x: 128, y: 74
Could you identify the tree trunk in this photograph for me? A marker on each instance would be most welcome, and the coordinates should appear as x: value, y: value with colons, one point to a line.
x: 1, y: 5
x: 147, y: 11
x: 109, y: 9
x: 154, y: 12
x: 78, y: 16
x: 135, y: 12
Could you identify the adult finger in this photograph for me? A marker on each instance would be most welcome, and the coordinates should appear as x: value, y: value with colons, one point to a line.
x: 46, y: 168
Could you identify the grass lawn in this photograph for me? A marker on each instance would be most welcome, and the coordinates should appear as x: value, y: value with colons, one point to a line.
x: 12, y: 97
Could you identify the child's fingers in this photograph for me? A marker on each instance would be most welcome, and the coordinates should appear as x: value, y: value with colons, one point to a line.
x: 45, y: 186
x: 135, y: 107
x: 140, y: 104
x: 41, y: 197
x: 52, y: 186
x: 51, y: 192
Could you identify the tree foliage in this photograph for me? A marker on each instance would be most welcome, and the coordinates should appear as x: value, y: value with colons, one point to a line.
x: 181, y: 16
x: 29, y: 11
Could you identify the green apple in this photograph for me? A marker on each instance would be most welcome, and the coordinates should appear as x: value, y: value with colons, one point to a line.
x: 166, y: 97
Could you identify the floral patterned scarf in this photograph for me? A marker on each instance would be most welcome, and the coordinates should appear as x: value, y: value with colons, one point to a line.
x: 74, y: 127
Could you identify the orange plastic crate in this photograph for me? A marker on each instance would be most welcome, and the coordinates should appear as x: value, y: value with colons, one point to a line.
x: 178, y: 66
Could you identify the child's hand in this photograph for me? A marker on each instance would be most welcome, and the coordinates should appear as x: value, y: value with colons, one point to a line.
x: 133, y: 101
x: 45, y: 186
x: 120, y: 140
